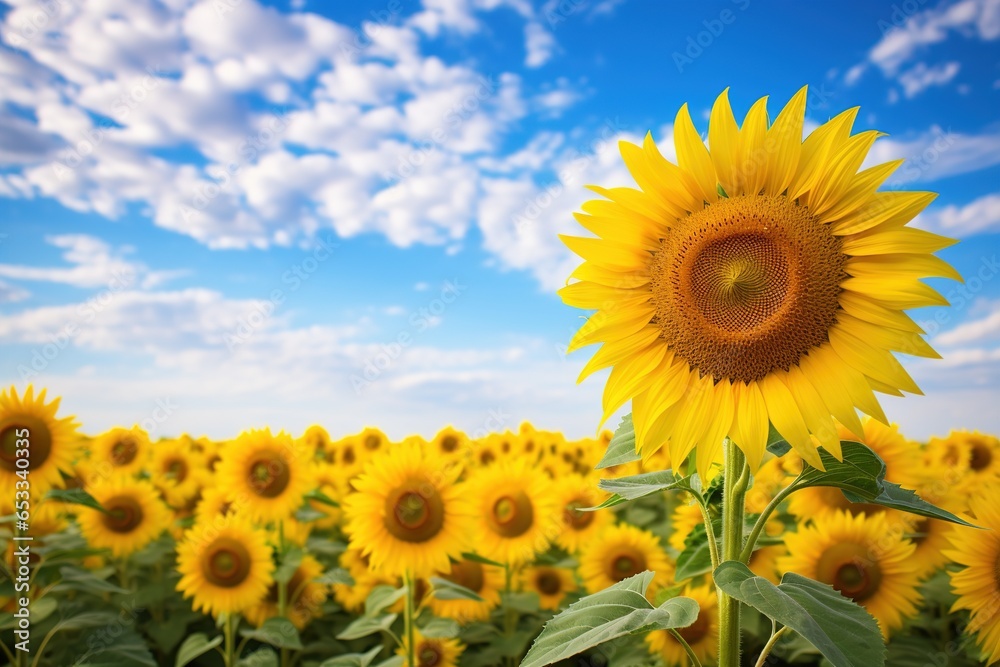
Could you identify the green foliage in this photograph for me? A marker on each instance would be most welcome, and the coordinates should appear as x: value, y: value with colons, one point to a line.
x: 194, y: 646
x: 621, y: 449
x: 276, y: 631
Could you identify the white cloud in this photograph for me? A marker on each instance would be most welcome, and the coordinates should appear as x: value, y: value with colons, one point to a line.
x: 972, y: 331
x: 12, y: 293
x: 539, y: 44
x: 980, y: 216
x: 920, y: 77
x: 937, y: 153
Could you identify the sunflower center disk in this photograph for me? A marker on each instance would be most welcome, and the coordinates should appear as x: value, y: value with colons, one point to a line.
x: 124, y: 451
x: 449, y: 443
x: 227, y: 563
x: 981, y: 457
x: 39, y: 442
x: 549, y: 583
x: 512, y: 515
x: 177, y: 471
x: 850, y: 569
x: 468, y: 574
x: 123, y: 514
x: 269, y: 475
x: 576, y: 519
x: 428, y: 655
x: 626, y: 564
x: 414, y: 512
x: 747, y: 286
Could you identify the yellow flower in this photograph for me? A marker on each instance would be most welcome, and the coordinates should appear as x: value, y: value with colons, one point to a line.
x: 431, y: 652
x: 573, y: 492
x: 517, y: 511
x: 702, y: 635
x: 268, y: 471
x: 215, y: 503
x: 484, y: 580
x: 764, y: 280
x: 125, y: 450
x: 684, y: 519
x: 317, y: 440
x: 31, y: 432
x: 305, y: 597
x: 977, y: 585
x: 975, y: 454
x: 769, y: 480
x: 864, y: 559
x: 134, y: 515
x: 450, y: 442
x: 372, y: 440
x: 620, y: 552
x: 176, y: 469
x: 224, y: 569
x: 408, y: 513
x: 332, y: 484
x: 352, y: 596
x: 552, y: 584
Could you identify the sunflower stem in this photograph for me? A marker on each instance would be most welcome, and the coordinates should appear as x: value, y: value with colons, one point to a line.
x: 761, y: 522
x: 229, y: 630
x: 282, y: 586
x: 775, y: 636
x: 733, y: 510
x: 411, y: 645
x: 509, y: 620
x: 687, y: 647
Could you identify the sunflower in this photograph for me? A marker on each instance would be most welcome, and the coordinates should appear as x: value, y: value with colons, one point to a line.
x: 176, y: 468
x: 30, y: 429
x: 408, y: 513
x: 270, y: 471
x: 764, y: 562
x: 977, y: 585
x: 976, y: 454
x: 225, y: 570
x: 769, y: 480
x: 123, y: 449
x: 317, y: 440
x: 352, y: 596
x: 485, y: 451
x: 932, y: 536
x: 552, y: 584
x: 683, y: 520
x: 450, y: 442
x: 517, y: 510
x: 573, y: 492
x: 331, y: 484
x: 305, y: 597
x: 864, y: 559
x: 484, y: 580
x: 348, y: 455
x: 620, y: 552
x: 431, y: 652
x: 215, y: 504
x: 702, y: 635
x: 372, y: 440
x: 764, y: 280
x: 133, y: 515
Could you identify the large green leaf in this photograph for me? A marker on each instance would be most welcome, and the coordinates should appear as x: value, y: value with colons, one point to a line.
x: 290, y: 562
x: 445, y: 589
x: 353, y: 659
x: 633, y: 487
x: 364, y: 626
x: 382, y: 597
x: 194, y: 646
x: 839, y: 628
x: 896, y: 497
x: 617, y: 611
x: 621, y: 449
x: 696, y: 558
x: 276, y: 631
x: 75, y: 497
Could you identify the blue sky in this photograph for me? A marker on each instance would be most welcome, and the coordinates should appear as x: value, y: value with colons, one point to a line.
x: 227, y: 213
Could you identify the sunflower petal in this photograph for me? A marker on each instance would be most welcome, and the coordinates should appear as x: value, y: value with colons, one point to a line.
x: 787, y: 419
x: 693, y: 156
x: 784, y: 142
x: 723, y: 142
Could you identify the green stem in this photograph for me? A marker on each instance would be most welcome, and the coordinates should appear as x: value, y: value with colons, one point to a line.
x: 713, y: 544
x: 775, y: 636
x: 509, y: 619
x: 758, y: 527
x: 411, y: 644
x: 229, y: 630
x: 733, y: 510
x: 687, y: 648
x: 282, y: 587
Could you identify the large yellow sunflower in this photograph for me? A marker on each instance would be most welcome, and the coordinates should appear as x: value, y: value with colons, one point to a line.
x: 702, y: 635
x: 620, y: 552
x: 572, y: 493
x: 864, y: 559
x: 431, y: 652
x: 305, y: 597
x: 269, y: 471
x: 552, y: 584
x: 517, y: 511
x: 134, y: 515
x: 408, y: 513
x: 978, y: 583
x: 121, y: 450
x: 762, y: 280
x: 224, y: 569
x: 29, y: 429
x: 486, y: 581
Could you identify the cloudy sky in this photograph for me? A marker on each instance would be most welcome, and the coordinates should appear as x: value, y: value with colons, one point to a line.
x: 229, y: 213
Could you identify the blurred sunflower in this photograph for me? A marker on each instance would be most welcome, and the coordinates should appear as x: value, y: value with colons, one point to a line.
x: 450, y: 442
x: 683, y: 520
x: 484, y: 580
x: 330, y: 482
x: 26, y: 422
x: 125, y: 450
x: 976, y: 454
x: 571, y: 493
x: 769, y: 480
x: 133, y: 515
x: 762, y: 280
x: 175, y: 469
x: 620, y: 552
x: 408, y: 513
x: 372, y: 440
x: 317, y: 440
x: 932, y: 536
x: 269, y: 471
x: 216, y: 503
x: 977, y: 585
x: 305, y: 597
x: 347, y: 455
x: 224, y: 569
x: 764, y: 562
x: 517, y: 511
x: 352, y: 596
x: 702, y: 635
x: 864, y: 559
x: 552, y: 584
x: 431, y: 651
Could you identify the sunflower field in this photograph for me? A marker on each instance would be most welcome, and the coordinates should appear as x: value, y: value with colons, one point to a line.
x: 330, y: 551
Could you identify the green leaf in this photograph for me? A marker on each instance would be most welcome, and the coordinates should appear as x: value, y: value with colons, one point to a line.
x: 337, y: 575
x: 276, y: 631
x: 75, y: 497
x: 441, y: 628
x: 194, y: 646
x: 128, y: 648
x: 621, y: 449
x: 289, y: 564
x: 321, y: 497
x: 896, y: 497
x: 394, y: 661
x: 776, y: 443
x: 353, y: 659
x: 722, y: 193
x: 308, y: 513
x: 696, y: 559
x: 39, y: 610
x: 634, y: 487
x: 449, y: 590
x: 382, y: 597
x: 476, y: 558
x: 837, y: 626
x: 87, y: 581
x: 263, y: 656
x: 617, y: 611
x: 365, y: 626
